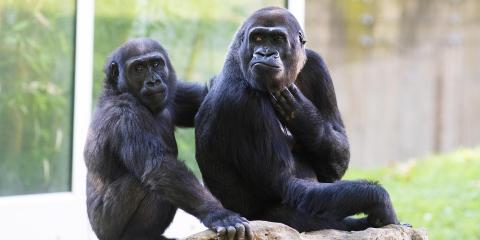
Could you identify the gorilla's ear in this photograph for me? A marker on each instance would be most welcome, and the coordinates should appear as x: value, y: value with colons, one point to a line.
x: 301, y: 37
x: 111, y: 74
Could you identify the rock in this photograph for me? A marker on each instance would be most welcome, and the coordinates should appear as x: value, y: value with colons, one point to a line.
x: 262, y: 230
x: 277, y: 231
x: 390, y: 232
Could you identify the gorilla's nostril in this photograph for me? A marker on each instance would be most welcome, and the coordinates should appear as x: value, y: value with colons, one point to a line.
x: 271, y: 53
x: 259, y: 52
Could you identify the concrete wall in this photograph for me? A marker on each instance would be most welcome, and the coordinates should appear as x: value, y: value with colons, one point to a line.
x: 406, y: 73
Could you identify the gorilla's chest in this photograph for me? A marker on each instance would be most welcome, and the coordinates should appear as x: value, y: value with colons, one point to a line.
x: 263, y: 123
x: 287, y: 135
x: 159, y: 128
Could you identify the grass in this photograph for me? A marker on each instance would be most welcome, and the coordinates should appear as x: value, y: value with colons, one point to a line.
x: 440, y: 193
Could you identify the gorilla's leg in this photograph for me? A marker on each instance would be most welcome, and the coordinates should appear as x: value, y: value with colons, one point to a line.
x: 151, y: 219
x: 356, y: 224
x: 301, y: 221
x: 343, y: 199
x: 110, y: 207
x: 329, y: 205
x: 304, y: 222
x: 127, y: 211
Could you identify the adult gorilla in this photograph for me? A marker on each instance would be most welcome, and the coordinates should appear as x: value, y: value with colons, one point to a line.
x: 271, y: 144
x: 135, y: 182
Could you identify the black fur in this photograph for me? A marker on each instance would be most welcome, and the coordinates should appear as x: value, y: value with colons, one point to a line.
x: 135, y: 182
x: 188, y: 98
x: 271, y: 143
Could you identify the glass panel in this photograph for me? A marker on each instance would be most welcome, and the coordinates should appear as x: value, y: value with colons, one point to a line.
x: 36, y: 83
x: 195, y: 33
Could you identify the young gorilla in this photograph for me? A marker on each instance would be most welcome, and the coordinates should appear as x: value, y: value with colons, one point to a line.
x: 135, y: 182
x: 271, y: 144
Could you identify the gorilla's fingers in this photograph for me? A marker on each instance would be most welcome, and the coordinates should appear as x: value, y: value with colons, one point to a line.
x: 231, y: 232
x: 277, y: 94
x: 289, y: 102
x: 288, y: 95
x: 273, y: 98
x: 278, y: 97
x: 289, y: 108
x: 240, y: 231
x: 248, y: 231
x: 294, y: 90
x: 277, y: 106
x: 221, y: 232
x: 283, y: 101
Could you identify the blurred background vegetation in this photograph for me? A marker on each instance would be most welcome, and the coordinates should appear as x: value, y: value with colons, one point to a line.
x: 36, y: 83
x: 438, y: 192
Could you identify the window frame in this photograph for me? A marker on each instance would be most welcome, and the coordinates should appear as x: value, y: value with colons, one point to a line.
x: 61, y: 215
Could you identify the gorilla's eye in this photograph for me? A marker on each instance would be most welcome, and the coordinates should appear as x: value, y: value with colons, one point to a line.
x: 156, y: 64
x: 139, y: 68
x: 258, y: 38
x: 278, y: 38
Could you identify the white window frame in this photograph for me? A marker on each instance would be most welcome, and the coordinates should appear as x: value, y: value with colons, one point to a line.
x: 61, y: 215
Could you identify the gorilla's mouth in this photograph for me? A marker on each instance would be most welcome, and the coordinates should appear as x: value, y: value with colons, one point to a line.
x: 155, y: 92
x: 265, y: 65
x: 155, y: 97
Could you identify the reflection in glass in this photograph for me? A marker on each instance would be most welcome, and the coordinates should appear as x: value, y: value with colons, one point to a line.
x: 36, y: 81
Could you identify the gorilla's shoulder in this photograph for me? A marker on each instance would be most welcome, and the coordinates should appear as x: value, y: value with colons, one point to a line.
x: 314, y: 58
x: 119, y: 107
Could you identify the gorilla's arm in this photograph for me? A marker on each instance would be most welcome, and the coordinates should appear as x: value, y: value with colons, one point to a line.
x: 310, y: 112
x: 146, y: 156
x: 188, y: 98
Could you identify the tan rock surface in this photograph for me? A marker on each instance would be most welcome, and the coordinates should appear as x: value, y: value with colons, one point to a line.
x: 277, y: 231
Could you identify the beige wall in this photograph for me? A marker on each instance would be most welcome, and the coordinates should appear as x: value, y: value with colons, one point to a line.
x: 406, y: 73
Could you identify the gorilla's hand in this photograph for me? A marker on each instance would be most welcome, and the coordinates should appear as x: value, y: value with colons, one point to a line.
x: 294, y: 109
x: 228, y: 225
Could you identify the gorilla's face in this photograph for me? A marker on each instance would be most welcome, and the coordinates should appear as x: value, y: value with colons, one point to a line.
x: 273, y: 51
x: 146, y: 76
x: 146, y: 73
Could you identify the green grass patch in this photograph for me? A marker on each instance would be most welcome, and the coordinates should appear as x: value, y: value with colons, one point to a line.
x: 440, y: 193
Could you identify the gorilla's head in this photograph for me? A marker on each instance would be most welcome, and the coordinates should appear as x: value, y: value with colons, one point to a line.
x: 142, y: 68
x: 271, y: 49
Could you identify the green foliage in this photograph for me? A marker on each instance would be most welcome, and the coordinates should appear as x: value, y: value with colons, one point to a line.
x: 36, y: 48
x: 440, y: 193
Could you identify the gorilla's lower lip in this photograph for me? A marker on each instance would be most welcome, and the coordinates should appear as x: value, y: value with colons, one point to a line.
x: 265, y: 64
x: 155, y: 92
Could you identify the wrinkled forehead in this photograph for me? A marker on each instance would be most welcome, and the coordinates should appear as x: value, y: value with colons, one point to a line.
x: 276, y: 17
